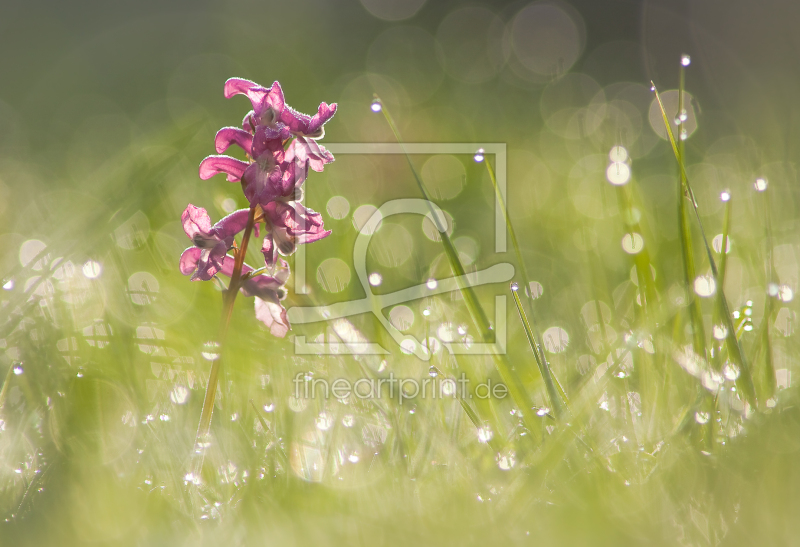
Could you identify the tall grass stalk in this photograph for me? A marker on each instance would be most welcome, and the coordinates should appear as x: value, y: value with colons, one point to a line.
x: 516, y: 388
x: 745, y: 380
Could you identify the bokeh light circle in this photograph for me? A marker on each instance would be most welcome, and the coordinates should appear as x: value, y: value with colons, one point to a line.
x: 471, y: 40
x: 393, y: 10
x: 546, y: 39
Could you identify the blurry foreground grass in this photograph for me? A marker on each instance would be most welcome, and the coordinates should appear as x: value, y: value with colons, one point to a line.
x: 668, y: 437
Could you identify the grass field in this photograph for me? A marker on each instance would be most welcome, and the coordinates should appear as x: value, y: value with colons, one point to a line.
x: 647, y: 339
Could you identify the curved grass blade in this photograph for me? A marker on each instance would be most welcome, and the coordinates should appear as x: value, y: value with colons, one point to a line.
x: 745, y: 380
x: 559, y: 405
x: 479, y: 317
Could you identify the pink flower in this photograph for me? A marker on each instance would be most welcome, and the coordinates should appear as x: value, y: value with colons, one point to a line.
x: 269, y: 108
x: 268, y: 292
x: 268, y: 103
x: 270, y: 176
x: 307, y: 152
x: 289, y: 224
x: 210, y: 243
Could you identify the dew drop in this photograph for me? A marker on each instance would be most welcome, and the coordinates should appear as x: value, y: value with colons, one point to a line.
x: 632, y: 243
x: 720, y: 332
x: 542, y: 411
x: 324, y: 421
x: 485, y: 434
x: 686, y: 60
x: 269, y: 407
x: 376, y: 105
x: 92, y: 269
x: 506, y: 460
x: 8, y: 285
x: 618, y: 154
x: 514, y: 286
x: 479, y: 155
x: 210, y: 351
x: 375, y: 279
x: 618, y: 173
x: 772, y: 289
x: 705, y: 286
x: 701, y: 417
x: 179, y: 395
x: 725, y: 195
x: 730, y: 371
x: 353, y: 458
x: 18, y: 369
x: 348, y: 420
x: 432, y: 283
x: 760, y: 184
x: 433, y: 372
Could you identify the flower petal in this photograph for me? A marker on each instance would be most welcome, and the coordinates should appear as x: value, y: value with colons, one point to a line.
x: 303, y: 223
x: 304, y: 125
x: 232, y: 224
x: 227, y: 266
x: 189, y: 258
x: 269, y: 250
x: 270, y: 107
x: 195, y: 221
x: 214, y: 165
x: 304, y: 150
x: 273, y: 315
x: 233, y: 135
x: 269, y: 140
x: 240, y: 86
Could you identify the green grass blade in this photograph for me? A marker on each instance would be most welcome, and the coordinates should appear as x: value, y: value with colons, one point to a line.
x: 745, y: 379
x: 556, y: 402
x: 479, y: 317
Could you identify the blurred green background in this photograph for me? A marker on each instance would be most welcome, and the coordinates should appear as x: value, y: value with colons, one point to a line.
x: 106, y: 110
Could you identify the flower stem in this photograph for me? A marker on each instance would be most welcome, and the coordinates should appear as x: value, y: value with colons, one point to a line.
x: 228, y: 299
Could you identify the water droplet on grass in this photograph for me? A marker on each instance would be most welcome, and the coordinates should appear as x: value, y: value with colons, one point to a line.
x: 324, y: 421
x: 506, y: 461
x: 705, y: 286
x: 618, y: 173
x: 179, y: 395
x: 485, y: 434
x: 632, y: 243
x: 730, y: 371
x: 210, y: 351
x: 92, y: 269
